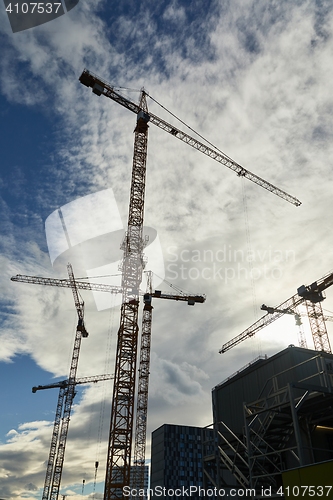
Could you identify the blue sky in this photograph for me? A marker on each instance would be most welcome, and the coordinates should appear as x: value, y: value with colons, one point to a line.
x: 23, y: 374
x: 253, y: 78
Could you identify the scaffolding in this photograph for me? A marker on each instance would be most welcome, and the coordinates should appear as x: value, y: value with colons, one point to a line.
x: 289, y: 425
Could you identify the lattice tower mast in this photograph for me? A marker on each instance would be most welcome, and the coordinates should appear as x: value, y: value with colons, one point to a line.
x: 121, y: 425
x: 142, y: 391
x: 64, y: 406
x: 98, y: 287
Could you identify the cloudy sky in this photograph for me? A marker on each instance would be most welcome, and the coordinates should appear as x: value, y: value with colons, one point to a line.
x: 254, y: 78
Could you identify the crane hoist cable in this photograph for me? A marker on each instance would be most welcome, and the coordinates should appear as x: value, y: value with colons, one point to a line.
x: 190, y: 128
x: 102, y: 87
x: 191, y: 299
x: 181, y: 291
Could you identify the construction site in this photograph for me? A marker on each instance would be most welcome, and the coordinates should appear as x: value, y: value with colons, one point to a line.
x: 272, y: 421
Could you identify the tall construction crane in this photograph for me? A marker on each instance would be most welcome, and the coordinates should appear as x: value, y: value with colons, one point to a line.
x: 143, y: 380
x: 60, y: 415
x: 121, y: 425
x: 312, y: 295
x: 144, y: 352
x: 66, y: 396
x: 142, y: 391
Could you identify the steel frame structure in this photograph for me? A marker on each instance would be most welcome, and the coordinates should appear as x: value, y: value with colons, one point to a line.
x: 277, y: 430
x: 102, y: 87
x: 65, y: 401
x: 142, y: 390
x: 122, y: 411
x: 142, y: 404
x: 312, y: 295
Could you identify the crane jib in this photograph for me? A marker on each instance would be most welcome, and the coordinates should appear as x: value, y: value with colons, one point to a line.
x: 99, y: 87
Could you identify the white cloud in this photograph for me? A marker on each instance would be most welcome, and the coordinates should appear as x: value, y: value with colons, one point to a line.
x: 263, y: 96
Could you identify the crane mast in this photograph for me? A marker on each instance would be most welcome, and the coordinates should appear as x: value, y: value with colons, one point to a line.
x: 121, y: 424
x: 144, y: 356
x: 64, y: 406
x: 59, y: 416
x: 54, y: 443
x: 142, y: 393
x: 313, y: 296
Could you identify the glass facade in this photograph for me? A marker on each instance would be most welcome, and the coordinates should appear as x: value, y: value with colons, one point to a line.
x: 177, y: 457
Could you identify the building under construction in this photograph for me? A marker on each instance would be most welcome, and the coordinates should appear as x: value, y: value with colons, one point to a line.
x: 272, y: 419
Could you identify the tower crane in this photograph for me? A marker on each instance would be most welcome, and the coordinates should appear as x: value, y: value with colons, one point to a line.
x: 143, y: 381
x: 121, y: 425
x: 60, y: 415
x: 64, y: 406
x: 145, y: 347
x: 312, y: 295
x: 101, y: 87
x: 142, y: 391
